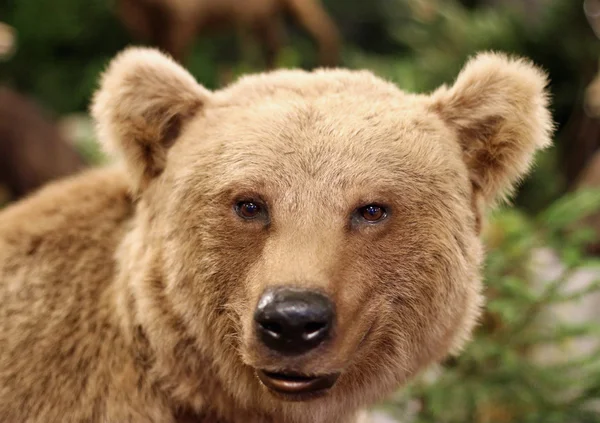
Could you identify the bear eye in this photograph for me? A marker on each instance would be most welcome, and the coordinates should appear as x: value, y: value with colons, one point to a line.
x: 372, y: 213
x: 248, y: 209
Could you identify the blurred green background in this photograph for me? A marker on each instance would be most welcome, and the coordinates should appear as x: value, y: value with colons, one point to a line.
x: 62, y: 46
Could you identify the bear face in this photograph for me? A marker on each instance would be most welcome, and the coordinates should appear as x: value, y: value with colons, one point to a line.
x: 313, y: 235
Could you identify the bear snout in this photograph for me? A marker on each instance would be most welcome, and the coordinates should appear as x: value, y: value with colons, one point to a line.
x: 293, y: 321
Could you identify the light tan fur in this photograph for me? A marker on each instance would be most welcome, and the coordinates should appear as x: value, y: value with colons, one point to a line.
x: 119, y: 308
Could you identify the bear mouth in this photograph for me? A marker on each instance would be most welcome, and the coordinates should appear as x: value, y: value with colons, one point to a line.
x: 296, y: 386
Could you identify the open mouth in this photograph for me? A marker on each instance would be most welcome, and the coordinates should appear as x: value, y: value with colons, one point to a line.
x: 295, y: 384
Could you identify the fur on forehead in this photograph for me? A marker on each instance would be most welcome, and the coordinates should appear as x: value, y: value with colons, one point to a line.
x: 306, y: 85
x: 496, y: 111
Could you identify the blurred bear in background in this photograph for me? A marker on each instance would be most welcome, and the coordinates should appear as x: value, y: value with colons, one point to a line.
x: 172, y: 25
x: 32, y: 149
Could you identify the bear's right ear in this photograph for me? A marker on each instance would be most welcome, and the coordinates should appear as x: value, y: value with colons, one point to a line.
x: 143, y: 100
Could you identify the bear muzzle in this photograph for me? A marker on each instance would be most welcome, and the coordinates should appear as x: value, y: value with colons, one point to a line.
x: 291, y: 322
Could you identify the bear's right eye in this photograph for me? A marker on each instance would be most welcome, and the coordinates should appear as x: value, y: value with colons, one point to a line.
x: 372, y: 213
x: 248, y: 209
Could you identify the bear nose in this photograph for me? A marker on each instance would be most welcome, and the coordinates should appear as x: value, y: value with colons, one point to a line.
x: 293, y: 321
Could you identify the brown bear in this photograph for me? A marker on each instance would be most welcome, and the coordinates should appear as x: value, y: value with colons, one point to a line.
x: 28, y: 138
x: 292, y: 248
x: 172, y: 25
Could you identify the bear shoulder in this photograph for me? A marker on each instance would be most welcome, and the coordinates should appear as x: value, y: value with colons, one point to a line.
x: 75, y: 203
x: 58, y: 269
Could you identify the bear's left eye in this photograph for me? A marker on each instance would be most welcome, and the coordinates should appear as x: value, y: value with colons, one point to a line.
x: 372, y: 213
x: 248, y: 209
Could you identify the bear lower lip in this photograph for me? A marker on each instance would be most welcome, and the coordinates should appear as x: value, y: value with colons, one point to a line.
x: 296, y: 384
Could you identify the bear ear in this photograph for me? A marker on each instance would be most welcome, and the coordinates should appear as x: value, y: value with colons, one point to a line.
x: 143, y: 101
x: 498, y: 109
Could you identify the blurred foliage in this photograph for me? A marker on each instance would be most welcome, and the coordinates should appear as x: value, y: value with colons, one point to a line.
x: 499, y: 378
x: 62, y: 47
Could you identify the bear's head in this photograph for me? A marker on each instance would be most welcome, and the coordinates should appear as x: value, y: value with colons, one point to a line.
x: 313, y: 236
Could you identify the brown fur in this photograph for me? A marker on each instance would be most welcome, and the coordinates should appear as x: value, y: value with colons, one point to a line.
x: 172, y: 25
x: 116, y: 309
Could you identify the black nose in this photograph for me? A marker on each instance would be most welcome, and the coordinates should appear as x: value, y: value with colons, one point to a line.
x: 292, y: 320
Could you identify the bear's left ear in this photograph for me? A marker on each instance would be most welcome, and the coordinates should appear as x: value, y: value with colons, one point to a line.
x: 143, y: 101
x: 498, y: 109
